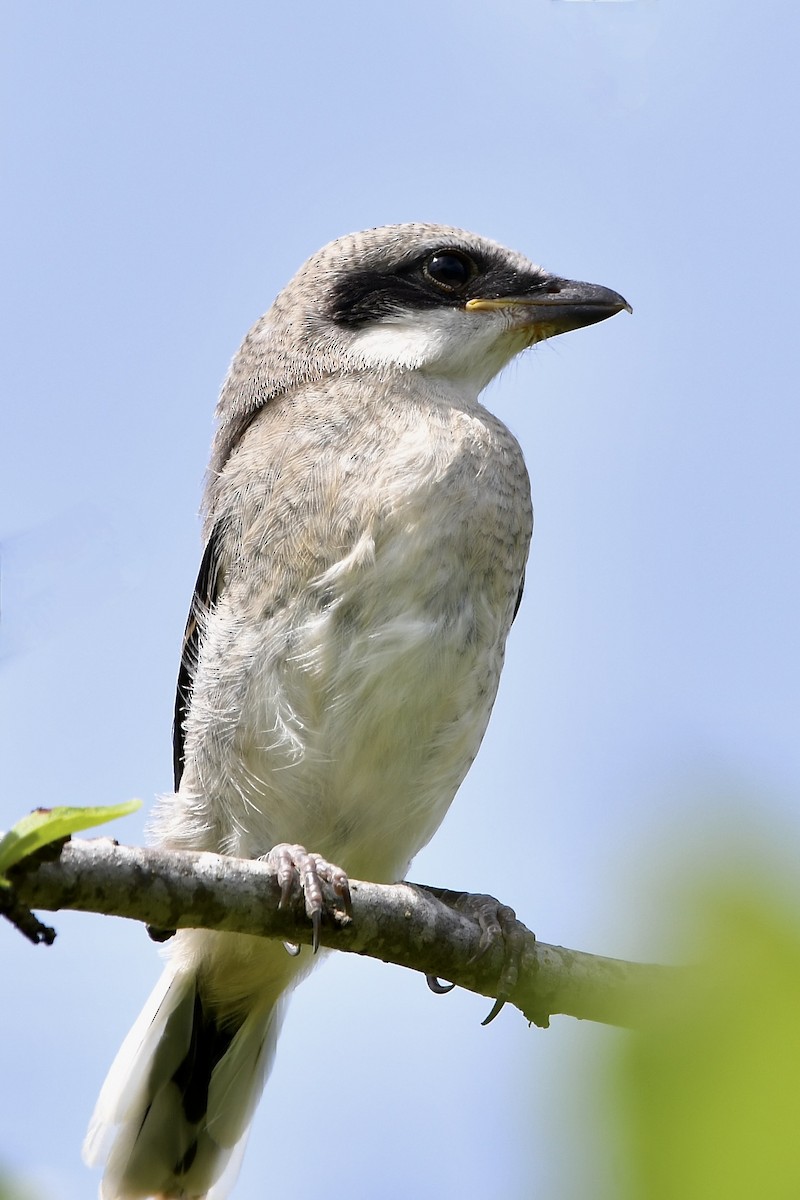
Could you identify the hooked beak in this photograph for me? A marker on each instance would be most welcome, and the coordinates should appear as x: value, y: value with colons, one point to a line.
x: 556, y: 306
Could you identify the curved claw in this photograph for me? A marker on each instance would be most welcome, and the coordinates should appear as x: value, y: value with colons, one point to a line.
x: 296, y: 867
x: 291, y: 949
x: 285, y: 879
x: 437, y: 987
x: 346, y: 899
x: 496, y: 1008
x: 498, y: 924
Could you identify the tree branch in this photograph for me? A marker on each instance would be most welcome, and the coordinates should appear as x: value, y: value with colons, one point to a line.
x: 398, y: 923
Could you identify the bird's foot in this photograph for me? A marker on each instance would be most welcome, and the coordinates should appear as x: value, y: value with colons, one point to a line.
x: 296, y: 867
x: 497, y: 923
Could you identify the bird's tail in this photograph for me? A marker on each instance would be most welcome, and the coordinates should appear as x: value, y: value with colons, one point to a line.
x: 172, y: 1118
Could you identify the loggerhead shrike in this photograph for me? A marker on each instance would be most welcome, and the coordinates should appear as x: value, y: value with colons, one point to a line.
x: 367, y: 523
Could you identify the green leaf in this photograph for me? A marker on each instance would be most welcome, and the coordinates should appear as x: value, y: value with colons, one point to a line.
x: 710, y: 1092
x: 46, y: 825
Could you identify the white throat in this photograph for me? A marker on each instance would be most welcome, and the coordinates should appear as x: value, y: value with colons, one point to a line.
x: 465, y: 348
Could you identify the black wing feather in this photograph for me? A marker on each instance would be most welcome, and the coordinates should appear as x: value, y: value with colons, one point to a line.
x: 207, y: 592
x: 519, y: 597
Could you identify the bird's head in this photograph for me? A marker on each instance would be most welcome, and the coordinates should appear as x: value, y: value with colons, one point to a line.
x: 402, y: 298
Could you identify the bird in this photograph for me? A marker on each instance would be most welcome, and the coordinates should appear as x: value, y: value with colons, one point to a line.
x: 366, y: 526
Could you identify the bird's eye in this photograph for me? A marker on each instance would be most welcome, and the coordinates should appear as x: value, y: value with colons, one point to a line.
x: 449, y: 269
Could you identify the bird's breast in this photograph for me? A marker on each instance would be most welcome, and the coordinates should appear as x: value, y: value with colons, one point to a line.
x: 375, y: 590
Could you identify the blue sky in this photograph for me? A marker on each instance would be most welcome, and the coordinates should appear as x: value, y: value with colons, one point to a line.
x: 168, y: 167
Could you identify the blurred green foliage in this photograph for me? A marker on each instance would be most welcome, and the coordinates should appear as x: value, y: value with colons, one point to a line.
x: 11, y: 1189
x: 709, y: 1095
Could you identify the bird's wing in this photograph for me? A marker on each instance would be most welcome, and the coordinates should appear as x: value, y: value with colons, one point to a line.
x: 207, y: 592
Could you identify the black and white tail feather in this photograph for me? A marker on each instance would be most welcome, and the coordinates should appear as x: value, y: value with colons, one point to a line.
x: 173, y: 1115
